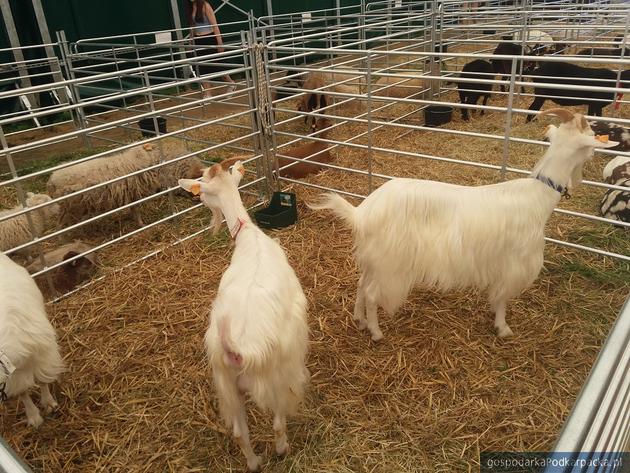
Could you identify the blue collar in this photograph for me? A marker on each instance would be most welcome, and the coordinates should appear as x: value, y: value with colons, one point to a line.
x: 556, y: 187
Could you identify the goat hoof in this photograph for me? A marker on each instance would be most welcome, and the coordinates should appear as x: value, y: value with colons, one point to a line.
x: 377, y: 335
x: 505, y: 332
x: 283, y: 450
x: 50, y: 407
x: 35, y: 421
x: 254, y: 464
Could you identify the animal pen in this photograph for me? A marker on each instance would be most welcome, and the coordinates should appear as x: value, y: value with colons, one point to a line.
x: 441, y: 388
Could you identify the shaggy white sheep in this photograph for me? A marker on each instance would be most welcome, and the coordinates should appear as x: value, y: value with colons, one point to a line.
x: 258, y: 334
x: 89, y: 173
x: 28, y: 345
x: 423, y: 233
x: 16, y: 231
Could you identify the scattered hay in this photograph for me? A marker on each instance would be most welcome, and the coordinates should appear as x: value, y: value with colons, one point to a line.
x: 438, y: 390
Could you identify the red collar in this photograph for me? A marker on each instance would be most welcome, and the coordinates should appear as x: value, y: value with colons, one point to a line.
x: 237, y: 228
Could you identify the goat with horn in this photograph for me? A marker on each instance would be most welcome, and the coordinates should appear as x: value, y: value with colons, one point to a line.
x: 258, y: 335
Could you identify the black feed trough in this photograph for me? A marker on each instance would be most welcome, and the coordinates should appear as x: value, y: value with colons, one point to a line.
x: 281, y: 212
x: 147, y: 126
x: 436, y: 115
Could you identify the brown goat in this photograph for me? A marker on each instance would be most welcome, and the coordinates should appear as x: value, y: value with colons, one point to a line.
x: 314, y: 151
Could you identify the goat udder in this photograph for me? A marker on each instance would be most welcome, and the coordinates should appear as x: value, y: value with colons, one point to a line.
x: 231, y: 358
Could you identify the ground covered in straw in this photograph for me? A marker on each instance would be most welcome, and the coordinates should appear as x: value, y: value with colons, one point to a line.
x: 439, y: 389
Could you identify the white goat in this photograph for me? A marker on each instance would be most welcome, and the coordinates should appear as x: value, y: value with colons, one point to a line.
x: 424, y: 233
x: 258, y: 334
x: 28, y: 345
x: 16, y: 231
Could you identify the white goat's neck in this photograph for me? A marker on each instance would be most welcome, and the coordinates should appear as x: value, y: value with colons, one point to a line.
x: 560, y: 163
x: 234, y: 211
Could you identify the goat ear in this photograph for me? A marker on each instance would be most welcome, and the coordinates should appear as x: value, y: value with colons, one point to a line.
x: 237, y: 172
x: 72, y: 254
x: 195, y: 187
x: 598, y: 141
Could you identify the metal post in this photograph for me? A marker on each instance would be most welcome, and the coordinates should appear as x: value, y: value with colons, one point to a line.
x: 272, y: 27
x: 263, y: 186
x: 177, y: 23
x: 80, y: 121
x: 14, y: 40
x: 21, y: 195
x: 369, y: 119
x: 615, y: 108
x: 508, y: 120
x: 50, y: 51
x: 9, y: 461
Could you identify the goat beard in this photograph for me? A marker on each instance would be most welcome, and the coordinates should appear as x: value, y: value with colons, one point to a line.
x: 576, y: 178
x: 217, y: 219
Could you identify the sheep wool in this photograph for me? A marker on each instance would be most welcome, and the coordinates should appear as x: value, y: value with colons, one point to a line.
x: 90, y: 173
x: 16, y: 231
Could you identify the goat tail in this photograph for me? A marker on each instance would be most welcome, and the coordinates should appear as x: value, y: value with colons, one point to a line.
x: 340, y: 207
x: 231, y: 356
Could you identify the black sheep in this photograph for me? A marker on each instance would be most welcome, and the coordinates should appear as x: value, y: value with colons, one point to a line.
x: 614, y: 52
x: 469, y: 93
x: 503, y: 67
x: 564, y: 73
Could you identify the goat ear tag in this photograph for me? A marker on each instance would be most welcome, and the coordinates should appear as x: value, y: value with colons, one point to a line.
x: 195, y: 189
x: 5, y: 363
x: 602, y: 138
x: 147, y: 146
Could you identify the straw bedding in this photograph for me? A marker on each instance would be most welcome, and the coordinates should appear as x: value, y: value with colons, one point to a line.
x: 440, y: 388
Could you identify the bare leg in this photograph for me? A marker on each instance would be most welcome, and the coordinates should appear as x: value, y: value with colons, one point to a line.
x: 280, y: 431
x: 47, y: 400
x: 32, y: 412
x: 135, y: 211
x: 359, y: 305
x: 372, y: 318
x: 207, y: 93
x: 503, y: 330
x: 241, y: 435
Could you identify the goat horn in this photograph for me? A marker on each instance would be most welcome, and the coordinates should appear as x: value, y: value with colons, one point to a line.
x: 564, y: 114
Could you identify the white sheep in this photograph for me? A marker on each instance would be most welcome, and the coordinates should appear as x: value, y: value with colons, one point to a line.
x: 29, y: 353
x: 615, y: 203
x: 423, y: 233
x: 258, y: 334
x: 89, y: 173
x: 16, y: 231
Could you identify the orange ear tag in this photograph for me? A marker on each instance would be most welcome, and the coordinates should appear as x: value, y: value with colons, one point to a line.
x: 602, y: 138
x: 195, y: 189
x: 147, y: 146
